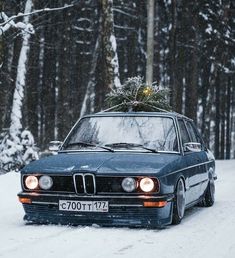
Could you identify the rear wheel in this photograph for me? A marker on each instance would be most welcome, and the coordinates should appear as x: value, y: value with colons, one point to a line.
x: 179, y: 203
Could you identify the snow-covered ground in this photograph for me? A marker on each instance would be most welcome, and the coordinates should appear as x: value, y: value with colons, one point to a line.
x: 204, y: 232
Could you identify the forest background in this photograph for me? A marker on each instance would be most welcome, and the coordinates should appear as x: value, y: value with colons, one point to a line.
x: 59, y: 62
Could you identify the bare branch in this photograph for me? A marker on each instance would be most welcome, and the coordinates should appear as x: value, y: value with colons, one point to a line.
x: 9, y: 20
x: 125, y: 13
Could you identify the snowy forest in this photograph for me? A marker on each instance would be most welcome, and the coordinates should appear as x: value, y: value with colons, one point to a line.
x: 59, y: 59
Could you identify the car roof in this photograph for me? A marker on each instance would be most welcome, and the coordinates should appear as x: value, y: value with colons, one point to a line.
x: 165, y: 114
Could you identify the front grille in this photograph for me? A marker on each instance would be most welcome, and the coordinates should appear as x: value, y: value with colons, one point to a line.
x: 89, y: 184
x: 85, y: 183
x: 63, y: 184
x: 109, y: 184
x: 79, y: 184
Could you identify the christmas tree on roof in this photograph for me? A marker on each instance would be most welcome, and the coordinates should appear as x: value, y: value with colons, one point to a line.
x: 135, y: 95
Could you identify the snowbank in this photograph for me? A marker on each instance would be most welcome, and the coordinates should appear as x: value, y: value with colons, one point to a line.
x: 204, y: 232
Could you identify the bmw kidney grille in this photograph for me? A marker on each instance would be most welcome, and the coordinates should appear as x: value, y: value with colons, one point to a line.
x: 85, y: 184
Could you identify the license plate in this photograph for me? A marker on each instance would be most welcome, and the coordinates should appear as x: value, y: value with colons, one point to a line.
x: 87, y: 206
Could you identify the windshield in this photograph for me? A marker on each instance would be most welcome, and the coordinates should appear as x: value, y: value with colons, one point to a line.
x: 120, y: 132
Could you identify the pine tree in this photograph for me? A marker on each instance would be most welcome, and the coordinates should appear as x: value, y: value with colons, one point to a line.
x: 135, y: 95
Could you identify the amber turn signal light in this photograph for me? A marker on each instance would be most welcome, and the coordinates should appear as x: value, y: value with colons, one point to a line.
x: 159, y: 204
x: 25, y: 200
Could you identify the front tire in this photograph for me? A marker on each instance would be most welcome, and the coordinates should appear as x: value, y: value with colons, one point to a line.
x: 209, y: 197
x: 179, y: 203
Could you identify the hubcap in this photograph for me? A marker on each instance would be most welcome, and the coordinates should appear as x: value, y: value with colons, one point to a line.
x: 180, y: 199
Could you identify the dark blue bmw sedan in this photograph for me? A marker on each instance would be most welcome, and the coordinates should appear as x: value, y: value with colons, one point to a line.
x: 138, y: 169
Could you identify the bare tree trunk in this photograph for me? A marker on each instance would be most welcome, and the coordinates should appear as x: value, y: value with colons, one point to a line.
x: 8, y: 52
x: 16, y: 111
x: 209, y: 113
x: 88, y: 104
x: 205, y: 93
x: 110, y: 46
x: 228, y: 118
x: 172, y: 45
x: 17, y: 147
x: 222, y: 118
x: 192, y: 84
x: 150, y: 42
x: 217, y: 118
x: 40, y: 90
x: 233, y: 122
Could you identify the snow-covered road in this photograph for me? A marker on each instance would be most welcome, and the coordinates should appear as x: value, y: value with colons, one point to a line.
x: 204, y: 232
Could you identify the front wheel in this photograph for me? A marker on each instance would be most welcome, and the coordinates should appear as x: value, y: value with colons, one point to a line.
x: 209, y: 197
x: 179, y: 203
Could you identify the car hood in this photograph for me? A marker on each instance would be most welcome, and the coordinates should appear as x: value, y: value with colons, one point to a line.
x: 105, y: 163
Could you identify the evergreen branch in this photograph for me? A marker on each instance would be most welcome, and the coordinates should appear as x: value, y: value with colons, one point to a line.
x: 135, y: 95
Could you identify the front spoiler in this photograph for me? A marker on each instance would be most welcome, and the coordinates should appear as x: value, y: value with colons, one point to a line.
x: 123, y: 210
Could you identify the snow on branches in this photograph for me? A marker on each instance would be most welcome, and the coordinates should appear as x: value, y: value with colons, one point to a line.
x: 16, y: 150
x: 17, y: 145
x: 9, y: 22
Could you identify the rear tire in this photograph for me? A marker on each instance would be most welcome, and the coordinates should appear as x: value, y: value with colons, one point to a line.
x: 179, y: 203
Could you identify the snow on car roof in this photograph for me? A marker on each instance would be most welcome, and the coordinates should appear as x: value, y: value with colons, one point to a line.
x: 139, y: 113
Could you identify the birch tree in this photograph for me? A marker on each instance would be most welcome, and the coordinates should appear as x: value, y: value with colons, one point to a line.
x: 110, y: 46
x: 17, y: 147
x: 88, y: 105
x: 150, y: 42
x: 107, y: 41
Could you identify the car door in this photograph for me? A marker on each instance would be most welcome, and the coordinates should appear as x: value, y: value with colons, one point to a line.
x: 205, y: 167
x: 190, y: 171
x: 200, y: 158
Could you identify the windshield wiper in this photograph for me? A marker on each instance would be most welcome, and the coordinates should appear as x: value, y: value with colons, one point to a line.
x: 149, y: 149
x: 127, y: 145
x: 121, y: 144
x: 89, y: 144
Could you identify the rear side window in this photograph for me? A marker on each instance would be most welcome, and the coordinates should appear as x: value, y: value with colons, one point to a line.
x: 183, y: 131
x: 192, y: 132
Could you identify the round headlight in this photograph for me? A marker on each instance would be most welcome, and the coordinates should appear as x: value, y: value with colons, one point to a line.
x: 146, y: 184
x: 129, y: 184
x: 31, y: 182
x: 45, y: 182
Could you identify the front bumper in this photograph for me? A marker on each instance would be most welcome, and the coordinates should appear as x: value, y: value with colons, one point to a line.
x: 123, y: 210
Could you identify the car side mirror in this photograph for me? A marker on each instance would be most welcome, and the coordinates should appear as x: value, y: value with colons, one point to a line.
x: 54, y: 146
x: 192, y: 146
